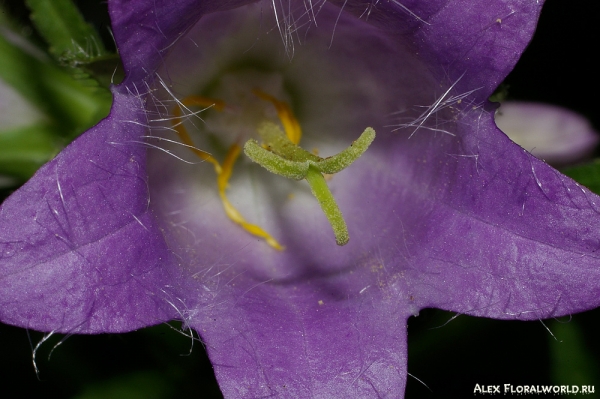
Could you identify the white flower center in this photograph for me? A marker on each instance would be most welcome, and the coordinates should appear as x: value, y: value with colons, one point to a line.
x: 334, y: 88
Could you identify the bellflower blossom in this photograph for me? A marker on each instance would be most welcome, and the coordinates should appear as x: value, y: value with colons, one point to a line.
x: 125, y: 228
x: 551, y: 133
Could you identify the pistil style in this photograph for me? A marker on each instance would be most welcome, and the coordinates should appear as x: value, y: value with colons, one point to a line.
x: 280, y: 156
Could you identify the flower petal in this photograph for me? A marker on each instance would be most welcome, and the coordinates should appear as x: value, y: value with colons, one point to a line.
x: 502, y: 234
x: 553, y: 134
x: 80, y: 251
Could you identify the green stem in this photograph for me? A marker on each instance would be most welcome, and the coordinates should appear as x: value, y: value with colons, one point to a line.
x: 319, y: 188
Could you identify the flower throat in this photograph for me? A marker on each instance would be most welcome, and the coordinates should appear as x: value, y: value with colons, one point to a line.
x: 278, y: 152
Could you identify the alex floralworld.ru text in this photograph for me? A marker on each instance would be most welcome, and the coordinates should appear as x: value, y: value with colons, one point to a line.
x: 533, y: 389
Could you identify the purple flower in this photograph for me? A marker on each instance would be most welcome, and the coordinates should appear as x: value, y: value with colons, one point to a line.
x: 551, y: 133
x: 443, y: 210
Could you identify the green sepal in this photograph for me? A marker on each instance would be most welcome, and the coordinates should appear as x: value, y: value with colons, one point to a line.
x: 72, y: 41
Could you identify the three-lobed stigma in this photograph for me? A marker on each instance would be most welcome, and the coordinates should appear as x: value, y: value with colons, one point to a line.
x: 279, y: 153
x: 280, y: 156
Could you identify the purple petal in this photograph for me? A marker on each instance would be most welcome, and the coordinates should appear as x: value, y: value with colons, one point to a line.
x: 80, y: 250
x: 510, y: 237
x: 267, y: 318
x: 551, y: 133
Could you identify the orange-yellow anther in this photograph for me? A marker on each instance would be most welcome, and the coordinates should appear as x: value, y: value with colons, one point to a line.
x: 292, y: 128
x: 200, y: 101
x: 223, y: 171
x: 182, y: 131
x: 232, y: 213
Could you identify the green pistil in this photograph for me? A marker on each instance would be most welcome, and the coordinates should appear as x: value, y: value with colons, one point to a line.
x: 285, y: 158
x: 319, y: 188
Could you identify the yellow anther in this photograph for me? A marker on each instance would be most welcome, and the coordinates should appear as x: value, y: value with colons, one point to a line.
x: 232, y: 213
x: 182, y: 131
x: 291, y: 126
x: 200, y: 101
x: 223, y: 171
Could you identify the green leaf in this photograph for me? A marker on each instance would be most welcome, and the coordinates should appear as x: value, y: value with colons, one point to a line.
x: 587, y: 175
x: 72, y: 41
x: 24, y: 149
x: 572, y: 363
x: 138, y: 385
x: 73, y: 104
x: 501, y: 93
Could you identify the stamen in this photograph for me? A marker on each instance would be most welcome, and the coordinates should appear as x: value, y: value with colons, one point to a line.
x: 286, y: 116
x: 230, y: 211
x: 182, y: 131
x: 223, y: 171
x: 201, y: 101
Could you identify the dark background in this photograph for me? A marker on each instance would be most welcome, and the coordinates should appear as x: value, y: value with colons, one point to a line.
x: 450, y: 357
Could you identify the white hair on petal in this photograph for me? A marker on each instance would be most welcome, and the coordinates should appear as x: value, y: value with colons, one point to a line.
x: 433, y: 111
x: 36, y: 348
x: 409, y: 12
x: 290, y: 21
